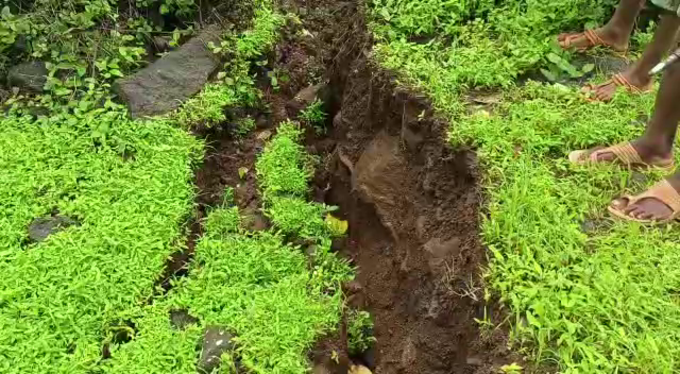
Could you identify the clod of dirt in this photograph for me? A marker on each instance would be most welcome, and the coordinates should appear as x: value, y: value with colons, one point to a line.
x: 43, y: 227
x: 321, y: 369
x: 180, y: 319
x: 439, y: 251
x: 252, y: 219
x: 216, y: 341
x: 380, y: 176
x: 165, y: 84
x: 306, y: 96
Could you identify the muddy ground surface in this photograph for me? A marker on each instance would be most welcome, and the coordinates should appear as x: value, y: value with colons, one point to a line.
x: 412, y: 202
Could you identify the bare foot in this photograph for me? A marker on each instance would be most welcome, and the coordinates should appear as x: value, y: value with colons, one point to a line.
x: 648, y: 208
x: 605, y: 91
x: 579, y: 41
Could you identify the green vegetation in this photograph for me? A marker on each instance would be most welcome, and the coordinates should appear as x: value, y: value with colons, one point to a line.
x: 92, y: 287
x: 587, y: 293
x: 253, y: 284
x: 234, y: 85
x: 60, y: 296
x: 314, y: 115
x: 359, y: 331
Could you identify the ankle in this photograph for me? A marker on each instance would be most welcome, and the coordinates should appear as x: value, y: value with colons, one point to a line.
x: 654, y: 146
x: 615, y: 34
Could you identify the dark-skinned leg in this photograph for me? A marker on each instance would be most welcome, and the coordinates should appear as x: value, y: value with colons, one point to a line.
x: 638, y: 74
x: 616, y: 32
x: 658, y: 139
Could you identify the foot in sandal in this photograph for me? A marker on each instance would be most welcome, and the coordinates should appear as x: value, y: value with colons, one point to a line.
x: 632, y: 80
x: 659, y: 204
x: 589, y: 39
x: 646, y: 152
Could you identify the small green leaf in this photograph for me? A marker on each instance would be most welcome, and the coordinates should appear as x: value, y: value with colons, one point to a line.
x: 164, y: 9
x: 587, y: 68
x: 549, y: 75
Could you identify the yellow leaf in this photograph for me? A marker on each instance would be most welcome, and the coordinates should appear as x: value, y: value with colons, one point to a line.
x: 359, y: 369
x: 337, y: 226
x: 242, y: 172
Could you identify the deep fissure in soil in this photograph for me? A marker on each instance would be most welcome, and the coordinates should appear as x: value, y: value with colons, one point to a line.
x: 412, y: 202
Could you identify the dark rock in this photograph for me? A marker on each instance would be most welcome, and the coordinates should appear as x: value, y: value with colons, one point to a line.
x: 38, y: 111
x: 20, y: 44
x: 180, y: 318
x: 161, y: 44
x: 305, y: 97
x: 28, y: 76
x: 609, y: 64
x: 368, y: 357
x: 43, y: 227
x: 216, y: 341
x: 165, y: 84
x: 262, y: 123
x: 4, y: 95
x: 253, y: 220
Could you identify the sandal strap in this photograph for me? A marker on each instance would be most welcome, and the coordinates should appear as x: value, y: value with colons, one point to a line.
x: 624, y: 152
x: 662, y: 191
x: 622, y: 81
x: 593, y: 38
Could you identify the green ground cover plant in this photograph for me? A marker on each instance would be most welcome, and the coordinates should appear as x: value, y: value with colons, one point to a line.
x: 315, y: 115
x: 266, y: 292
x: 127, y: 185
x: 60, y: 296
x: 235, y: 85
x: 586, y: 293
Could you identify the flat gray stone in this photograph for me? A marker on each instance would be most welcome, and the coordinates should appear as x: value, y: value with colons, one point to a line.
x: 216, y: 341
x: 28, y: 76
x: 165, y: 84
x: 43, y: 227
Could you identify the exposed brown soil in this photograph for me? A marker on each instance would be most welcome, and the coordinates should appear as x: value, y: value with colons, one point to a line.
x: 411, y: 201
x: 224, y: 157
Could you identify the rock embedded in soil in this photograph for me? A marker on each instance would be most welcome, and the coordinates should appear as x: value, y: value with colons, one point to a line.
x: 180, y: 319
x: 43, y: 227
x: 254, y: 220
x: 28, y: 76
x: 307, y: 96
x: 165, y: 84
x: 216, y: 341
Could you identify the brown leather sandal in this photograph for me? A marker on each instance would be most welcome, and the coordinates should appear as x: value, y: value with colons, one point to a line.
x: 621, y: 81
x: 625, y: 155
x: 663, y: 192
x: 593, y: 39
